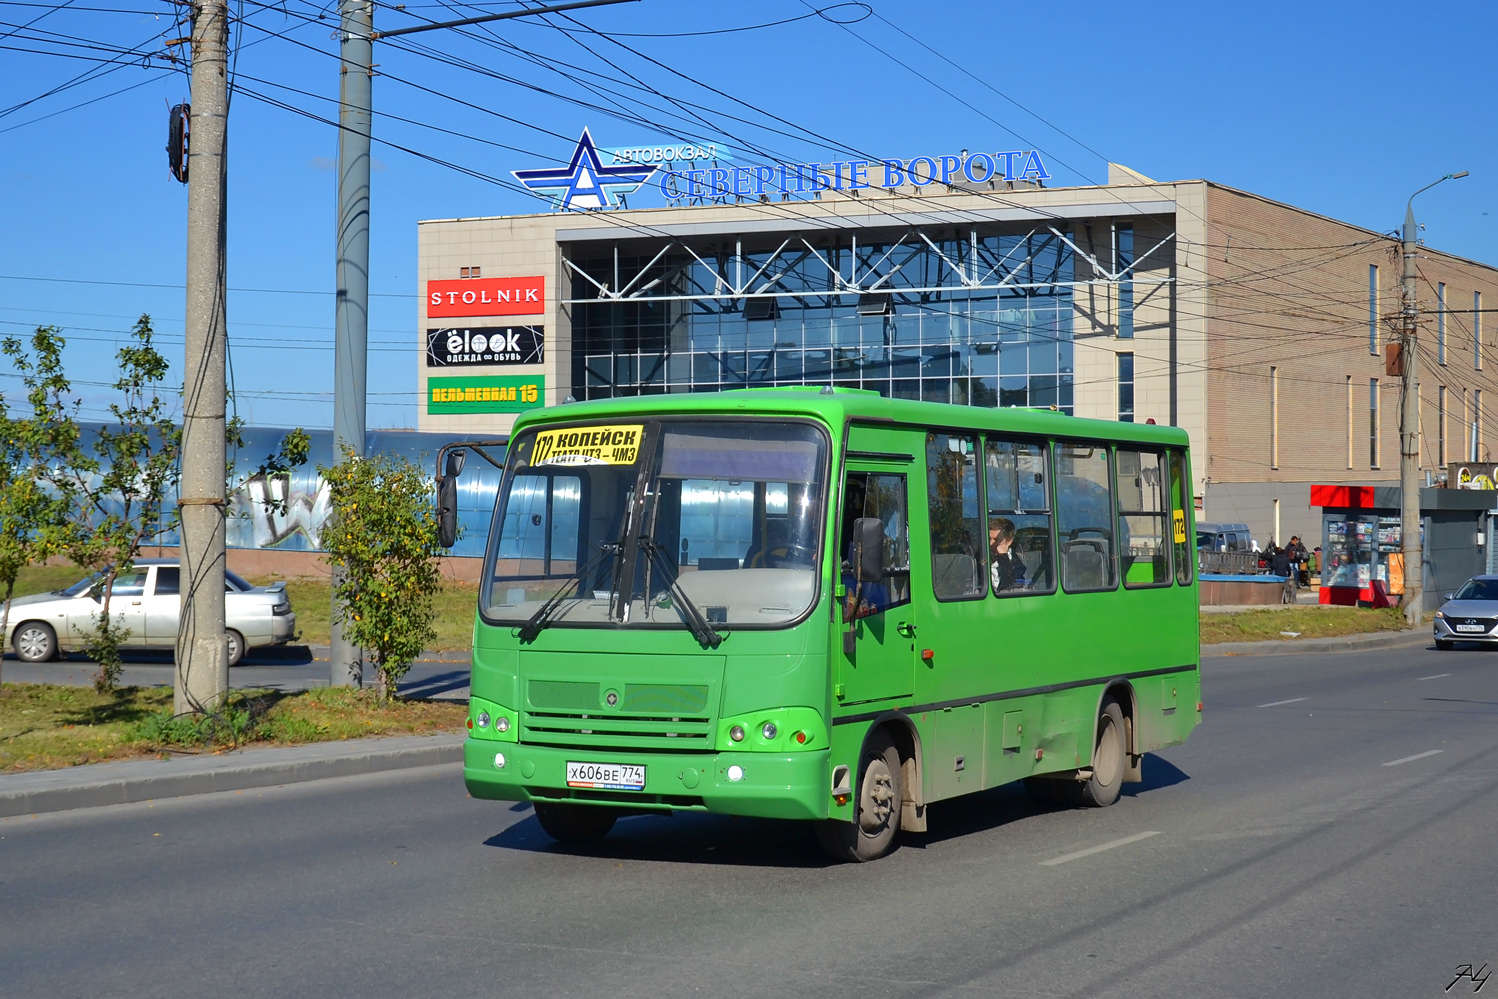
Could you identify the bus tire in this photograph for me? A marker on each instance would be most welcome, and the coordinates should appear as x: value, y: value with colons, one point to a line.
x: 877, y: 804
x: 1109, y: 758
x: 575, y: 823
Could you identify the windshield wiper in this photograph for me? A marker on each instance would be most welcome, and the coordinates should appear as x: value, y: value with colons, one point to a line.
x: 539, y: 620
x: 702, y: 630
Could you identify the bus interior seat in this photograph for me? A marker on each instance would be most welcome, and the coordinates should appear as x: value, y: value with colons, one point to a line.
x: 773, y: 541
x: 954, y: 573
x: 1085, y: 565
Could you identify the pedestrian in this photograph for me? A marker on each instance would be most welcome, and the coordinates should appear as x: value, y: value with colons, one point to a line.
x: 1299, y: 560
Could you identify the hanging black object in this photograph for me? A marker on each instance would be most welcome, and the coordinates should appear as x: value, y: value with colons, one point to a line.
x: 178, y: 139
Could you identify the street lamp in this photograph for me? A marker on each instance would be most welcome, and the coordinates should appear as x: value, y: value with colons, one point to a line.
x: 1409, y: 420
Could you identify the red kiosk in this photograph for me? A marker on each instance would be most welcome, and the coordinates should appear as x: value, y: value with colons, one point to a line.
x: 1362, y: 561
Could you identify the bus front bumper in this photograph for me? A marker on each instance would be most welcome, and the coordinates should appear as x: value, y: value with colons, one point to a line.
x: 768, y: 785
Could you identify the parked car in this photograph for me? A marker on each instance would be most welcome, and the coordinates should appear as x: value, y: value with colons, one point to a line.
x: 147, y: 600
x: 1224, y: 538
x: 1470, y: 614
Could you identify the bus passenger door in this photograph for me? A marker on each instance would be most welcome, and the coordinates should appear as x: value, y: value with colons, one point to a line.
x: 876, y: 657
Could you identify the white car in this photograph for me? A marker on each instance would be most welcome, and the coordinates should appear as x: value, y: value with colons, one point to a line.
x: 147, y: 600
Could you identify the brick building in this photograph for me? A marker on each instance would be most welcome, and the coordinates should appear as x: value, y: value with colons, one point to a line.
x: 1256, y: 326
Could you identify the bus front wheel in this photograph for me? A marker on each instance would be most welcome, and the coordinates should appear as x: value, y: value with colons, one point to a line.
x: 876, y: 812
x: 575, y: 823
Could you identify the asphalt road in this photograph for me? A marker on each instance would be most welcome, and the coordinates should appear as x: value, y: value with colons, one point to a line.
x: 1329, y: 830
x: 279, y: 667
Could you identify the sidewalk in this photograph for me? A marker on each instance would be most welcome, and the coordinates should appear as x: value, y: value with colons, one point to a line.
x: 143, y: 780
x: 1418, y: 638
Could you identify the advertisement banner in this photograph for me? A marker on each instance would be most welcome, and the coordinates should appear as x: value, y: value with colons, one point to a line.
x: 485, y: 394
x: 450, y: 346
x: 519, y: 296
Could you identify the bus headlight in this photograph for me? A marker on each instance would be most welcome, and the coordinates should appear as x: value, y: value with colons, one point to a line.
x: 769, y: 731
x: 736, y: 733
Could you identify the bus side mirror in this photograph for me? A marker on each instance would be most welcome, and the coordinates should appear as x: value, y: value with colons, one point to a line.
x: 447, y: 500
x: 868, y: 549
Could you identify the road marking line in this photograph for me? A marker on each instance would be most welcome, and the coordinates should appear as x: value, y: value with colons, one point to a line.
x: 1275, y: 704
x: 1417, y: 756
x: 1435, y: 676
x: 1098, y: 849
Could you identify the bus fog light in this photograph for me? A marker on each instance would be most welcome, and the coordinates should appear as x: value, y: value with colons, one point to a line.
x: 483, y: 719
x: 499, y: 761
x: 501, y: 724
x: 735, y: 772
x: 769, y: 731
x: 736, y: 733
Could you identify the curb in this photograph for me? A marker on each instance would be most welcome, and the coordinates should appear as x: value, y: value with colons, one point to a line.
x: 143, y: 780
x: 1347, y: 643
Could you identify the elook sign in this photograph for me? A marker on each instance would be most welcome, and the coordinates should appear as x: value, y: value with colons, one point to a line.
x: 449, y: 346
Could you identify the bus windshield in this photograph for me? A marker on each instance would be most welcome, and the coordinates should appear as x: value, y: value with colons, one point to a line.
x: 654, y: 524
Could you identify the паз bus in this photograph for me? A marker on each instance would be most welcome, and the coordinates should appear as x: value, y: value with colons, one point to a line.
x: 823, y: 604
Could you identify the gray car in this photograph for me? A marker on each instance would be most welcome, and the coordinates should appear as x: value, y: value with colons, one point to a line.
x: 1470, y: 614
x: 147, y: 600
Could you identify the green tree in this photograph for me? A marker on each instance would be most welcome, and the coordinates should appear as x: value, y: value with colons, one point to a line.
x: 118, y: 484
x: 382, y: 533
x: 33, y: 519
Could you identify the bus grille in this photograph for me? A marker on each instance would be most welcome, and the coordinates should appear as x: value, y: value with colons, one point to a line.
x: 671, y: 733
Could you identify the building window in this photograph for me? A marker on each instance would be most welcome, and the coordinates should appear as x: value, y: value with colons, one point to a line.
x: 1373, y: 423
x: 470, y: 272
x: 1462, y: 438
x: 1274, y: 417
x: 1008, y: 346
x: 1373, y: 308
x: 1477, y: 425
x: 1123, y: 257
x: 1125, y: 388
x: 1441, y: 424
x: 1441, y: 323
x: 1350, y: 435
x: 1477, y: 330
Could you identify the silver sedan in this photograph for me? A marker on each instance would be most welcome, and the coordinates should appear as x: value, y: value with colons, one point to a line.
x: 1470, y: 614
x: 147, y: 602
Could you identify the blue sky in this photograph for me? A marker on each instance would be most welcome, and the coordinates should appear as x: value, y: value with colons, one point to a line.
x: 1339, y: 108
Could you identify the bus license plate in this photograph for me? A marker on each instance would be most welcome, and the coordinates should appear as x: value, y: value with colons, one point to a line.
x: 1470, y: 627
x: 606, y: 776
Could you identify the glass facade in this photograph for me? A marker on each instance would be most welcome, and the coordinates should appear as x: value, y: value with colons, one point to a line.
x: 972, y: 319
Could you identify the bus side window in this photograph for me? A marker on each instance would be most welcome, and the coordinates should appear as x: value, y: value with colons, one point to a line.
x: 958, y: 568
x: 1142, y: 526
x: 1084, y: 512
x: 871, y: 494
x: 1019, y: 518
x: 1180, y: 503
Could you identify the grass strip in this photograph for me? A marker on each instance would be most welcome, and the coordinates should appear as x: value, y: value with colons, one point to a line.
x: 1269, y: 625
x: 46, y: 726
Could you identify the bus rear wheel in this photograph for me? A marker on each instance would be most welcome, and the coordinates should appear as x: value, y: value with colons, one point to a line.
x: 878, y: 799
x: 575, y: 823
x: 1109, y: 758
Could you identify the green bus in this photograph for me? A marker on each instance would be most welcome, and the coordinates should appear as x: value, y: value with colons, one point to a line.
x: 827, y: 605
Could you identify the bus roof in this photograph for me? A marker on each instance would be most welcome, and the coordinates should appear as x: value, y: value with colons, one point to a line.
x: 837, y: 405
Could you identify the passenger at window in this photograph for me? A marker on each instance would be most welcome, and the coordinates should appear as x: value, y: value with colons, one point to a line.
x: 1007, y: 569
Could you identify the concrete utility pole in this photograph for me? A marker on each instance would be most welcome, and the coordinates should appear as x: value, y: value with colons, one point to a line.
x: 1409, y: 419
x: 351, y: 321
x: 202, y: 676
